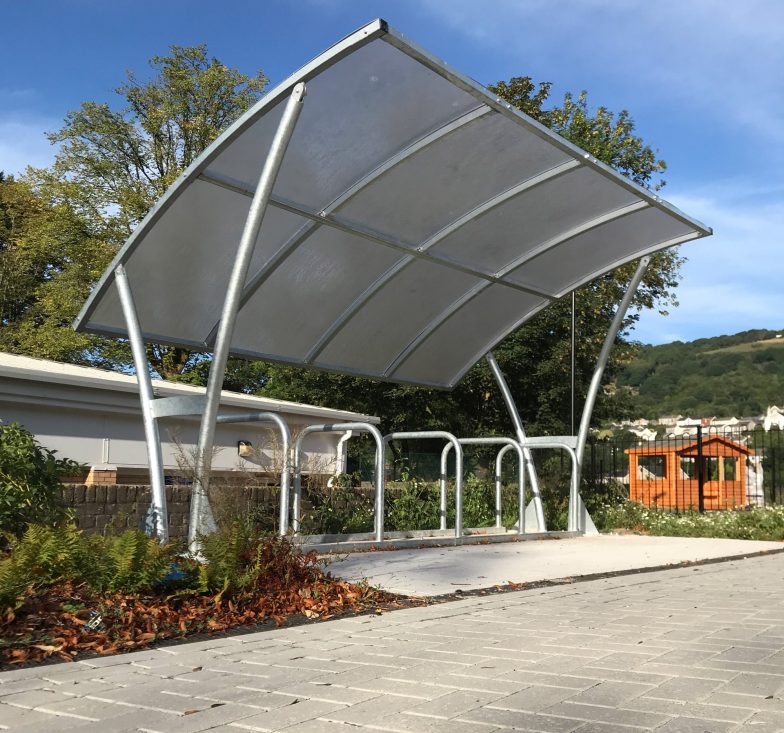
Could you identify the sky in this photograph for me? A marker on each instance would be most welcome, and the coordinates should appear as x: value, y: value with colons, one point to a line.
x: 702, y: 80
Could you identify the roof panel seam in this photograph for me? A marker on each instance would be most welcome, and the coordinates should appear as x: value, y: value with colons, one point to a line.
x: 358, y: 186
x: 372, y: 236
x: 595, y: 223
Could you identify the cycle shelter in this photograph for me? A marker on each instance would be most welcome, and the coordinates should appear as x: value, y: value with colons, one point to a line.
x: 377, y: 214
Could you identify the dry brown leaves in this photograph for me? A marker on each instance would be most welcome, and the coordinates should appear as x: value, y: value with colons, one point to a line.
x: 56, y: 622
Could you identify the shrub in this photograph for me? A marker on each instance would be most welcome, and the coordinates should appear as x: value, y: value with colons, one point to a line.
x: 30, y: 488
x: 415, y: 507
x: 130, y: 561
x: 759, y: 523
x: 238, y: 560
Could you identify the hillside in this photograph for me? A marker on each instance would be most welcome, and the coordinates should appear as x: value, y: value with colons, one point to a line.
x: 726, y: 375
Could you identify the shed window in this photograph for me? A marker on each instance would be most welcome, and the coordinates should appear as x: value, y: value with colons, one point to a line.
x: 652, y: 468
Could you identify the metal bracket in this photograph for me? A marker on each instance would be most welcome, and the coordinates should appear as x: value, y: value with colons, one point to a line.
x: 176, y: 406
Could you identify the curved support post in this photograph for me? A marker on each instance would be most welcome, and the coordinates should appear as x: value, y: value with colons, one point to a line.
x: 499, y: 459
x: 596, y: 380
x: 151, y: 434
x: 378, y: 512
x: 604, y: 355
x: 201, y: 519
x: 511, y: 407
x: 458, y: 472
x: 285, y: 471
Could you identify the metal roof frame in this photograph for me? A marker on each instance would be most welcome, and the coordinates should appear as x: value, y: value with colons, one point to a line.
x: 608, y: 199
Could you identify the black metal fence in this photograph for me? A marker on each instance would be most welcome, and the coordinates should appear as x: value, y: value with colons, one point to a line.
x: 704, y: 469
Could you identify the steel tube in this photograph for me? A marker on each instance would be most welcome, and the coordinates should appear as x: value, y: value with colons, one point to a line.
x: 378, y: 510
x: 146, y: 396
x: 442, y: 434
x: 520, y: 483
x: 201, y: 517
x: 285, y: 439
x: 520, y: 432
x: 508, y: 443
x: 604, y: 355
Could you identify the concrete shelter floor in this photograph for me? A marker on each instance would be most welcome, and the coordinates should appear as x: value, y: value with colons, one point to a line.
x: 434, y: 571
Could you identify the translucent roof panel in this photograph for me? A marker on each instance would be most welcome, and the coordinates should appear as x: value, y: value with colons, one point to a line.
x: 416, y: 220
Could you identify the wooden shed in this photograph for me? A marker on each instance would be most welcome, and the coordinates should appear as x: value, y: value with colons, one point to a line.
x: 665, y: 474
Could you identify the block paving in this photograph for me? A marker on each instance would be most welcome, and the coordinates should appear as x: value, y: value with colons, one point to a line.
x: 685, y: 650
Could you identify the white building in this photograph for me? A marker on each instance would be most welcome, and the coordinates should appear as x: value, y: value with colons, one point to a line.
x: 93, y: 416
x: 774, y: 418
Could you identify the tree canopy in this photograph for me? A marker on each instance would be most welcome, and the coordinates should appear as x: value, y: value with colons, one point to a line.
x: 113, y: 163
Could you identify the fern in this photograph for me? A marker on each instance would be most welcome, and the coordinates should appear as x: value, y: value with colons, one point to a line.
x: 129, y: 562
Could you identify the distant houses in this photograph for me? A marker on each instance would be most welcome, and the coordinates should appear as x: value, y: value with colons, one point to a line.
x: 686, y: 426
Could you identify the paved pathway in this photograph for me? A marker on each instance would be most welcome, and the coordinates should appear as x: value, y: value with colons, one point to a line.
x: 690, y: 649
x: 435, y: 571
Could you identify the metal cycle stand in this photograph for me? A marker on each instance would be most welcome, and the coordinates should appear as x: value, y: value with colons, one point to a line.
x: 499, y: 459
x: 509, y: 444
x: 378, y: 509
x: 285, y: 439
x: 458, y: 473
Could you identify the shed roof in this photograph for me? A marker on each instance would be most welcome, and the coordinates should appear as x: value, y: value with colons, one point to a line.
x: 416, y: 221
x: 716, y: 443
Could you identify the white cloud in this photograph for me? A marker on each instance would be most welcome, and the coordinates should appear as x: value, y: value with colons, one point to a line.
x: 732, y: 280
x: 723, y: 59
x: 22, y: 142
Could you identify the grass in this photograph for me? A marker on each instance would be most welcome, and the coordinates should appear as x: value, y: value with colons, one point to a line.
x: 748, y: 347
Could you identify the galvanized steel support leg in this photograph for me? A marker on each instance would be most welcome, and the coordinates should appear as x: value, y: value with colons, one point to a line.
x: 520, y: 432
x: 201, y: 519
x: 598, y: 373
x: 151, y: 434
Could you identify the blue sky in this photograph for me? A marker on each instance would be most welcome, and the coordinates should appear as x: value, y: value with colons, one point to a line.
x: 702, y: 79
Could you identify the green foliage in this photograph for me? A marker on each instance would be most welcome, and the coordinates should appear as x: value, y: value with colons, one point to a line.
x: 759, y: 523
x: 478, y: 502
x: 60, y: 227
x: 727, y: 375
x: 49, y: 258
x: 130, y: 561
x: 416, y: 506
x: 341, y: 509
x: 238, y: 560
x: 30, y: 489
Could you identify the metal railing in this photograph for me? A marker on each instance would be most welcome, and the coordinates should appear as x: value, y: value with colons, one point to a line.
x: 707, y: 468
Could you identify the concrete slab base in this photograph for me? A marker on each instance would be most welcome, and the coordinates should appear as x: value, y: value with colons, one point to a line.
x: 436, y: 571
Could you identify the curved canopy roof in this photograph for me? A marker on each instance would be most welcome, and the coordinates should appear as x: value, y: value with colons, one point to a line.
x: 415, y: 222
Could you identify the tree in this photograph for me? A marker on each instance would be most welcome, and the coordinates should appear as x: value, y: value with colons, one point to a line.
x: 536, y: 357
x: 113, y: 164
x: 49, y: 258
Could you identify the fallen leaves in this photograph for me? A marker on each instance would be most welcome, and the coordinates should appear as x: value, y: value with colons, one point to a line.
x: 40, y: 629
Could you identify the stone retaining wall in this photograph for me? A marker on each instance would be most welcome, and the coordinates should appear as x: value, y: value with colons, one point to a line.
x: 98, y: 507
